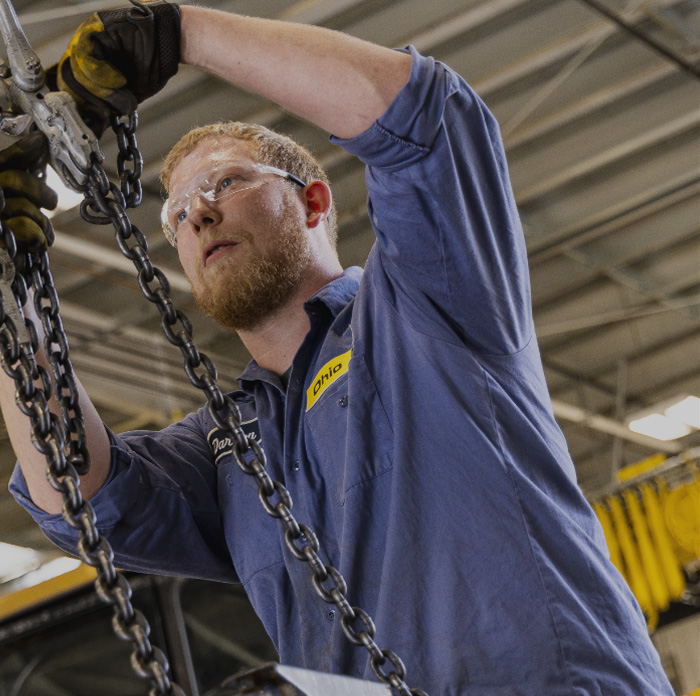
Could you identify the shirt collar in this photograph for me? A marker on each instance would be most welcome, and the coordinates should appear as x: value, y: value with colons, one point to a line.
x: 335, y: 296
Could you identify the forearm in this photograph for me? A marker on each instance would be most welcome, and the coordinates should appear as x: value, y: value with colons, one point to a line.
x: 336, y: 81
x: 32, y: 462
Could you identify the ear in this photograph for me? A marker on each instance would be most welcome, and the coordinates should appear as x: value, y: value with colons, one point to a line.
x: 318, y: 201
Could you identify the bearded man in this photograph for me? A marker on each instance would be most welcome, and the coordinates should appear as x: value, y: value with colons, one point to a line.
x: 404, y: 406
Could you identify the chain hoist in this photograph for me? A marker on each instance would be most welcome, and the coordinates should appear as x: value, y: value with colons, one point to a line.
x: 62, y: 439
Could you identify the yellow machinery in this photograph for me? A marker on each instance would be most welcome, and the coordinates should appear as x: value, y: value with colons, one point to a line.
x: 651, y: 522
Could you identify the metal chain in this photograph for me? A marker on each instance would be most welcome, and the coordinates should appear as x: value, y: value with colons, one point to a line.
x: 56, y: 346
x: 105, y: 203
x: 63, y: 442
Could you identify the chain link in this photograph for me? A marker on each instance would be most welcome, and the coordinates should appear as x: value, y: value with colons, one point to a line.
x: 129, y: 178
x: 105, y: 203
x: 56, y: 347
x: 62, y: 439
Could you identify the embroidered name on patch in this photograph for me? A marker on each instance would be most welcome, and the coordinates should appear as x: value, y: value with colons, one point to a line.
x: 326, y: 376
x: 221, y: 443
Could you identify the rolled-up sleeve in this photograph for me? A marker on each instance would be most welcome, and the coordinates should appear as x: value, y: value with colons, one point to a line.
x: 442, y: 207
x: 158, y: 508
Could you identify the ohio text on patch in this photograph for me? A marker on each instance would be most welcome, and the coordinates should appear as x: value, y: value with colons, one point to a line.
x: 326, y: 376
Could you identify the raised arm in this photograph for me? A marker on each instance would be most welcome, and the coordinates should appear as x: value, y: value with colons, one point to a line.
x: 118, y: 58
x: 338, y: 82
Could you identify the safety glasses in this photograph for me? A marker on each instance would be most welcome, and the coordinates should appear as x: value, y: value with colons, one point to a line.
x: 214, y: 186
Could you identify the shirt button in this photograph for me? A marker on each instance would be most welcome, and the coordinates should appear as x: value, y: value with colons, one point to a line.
x: 331, y: 614
x: 343, y: 401
x: 295, y: 465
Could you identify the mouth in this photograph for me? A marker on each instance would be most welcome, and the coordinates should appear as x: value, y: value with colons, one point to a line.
x: 215, y: 249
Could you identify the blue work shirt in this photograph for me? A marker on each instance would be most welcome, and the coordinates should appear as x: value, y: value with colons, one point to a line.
x: 417, y: 439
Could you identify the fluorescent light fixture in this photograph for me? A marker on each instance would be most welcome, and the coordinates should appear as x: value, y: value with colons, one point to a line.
x: 67, y: 198
x: 686, y: 411
x: 660, y: 427
x: 16, y: 561
x: 668, y: 420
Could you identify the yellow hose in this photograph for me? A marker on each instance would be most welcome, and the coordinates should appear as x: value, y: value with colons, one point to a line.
x: 670, y: 564
x: 635, y: 575
x: 681, y: 509
x: 651, y: 566
x: 608, y: 530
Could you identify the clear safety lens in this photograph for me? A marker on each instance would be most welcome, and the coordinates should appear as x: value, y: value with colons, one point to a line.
x: 216, y: 185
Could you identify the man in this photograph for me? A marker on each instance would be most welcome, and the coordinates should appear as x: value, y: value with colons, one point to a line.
x: 404, y: 407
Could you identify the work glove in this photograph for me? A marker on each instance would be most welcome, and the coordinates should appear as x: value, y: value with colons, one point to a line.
x: 118, y: 58
x: 24, y: 193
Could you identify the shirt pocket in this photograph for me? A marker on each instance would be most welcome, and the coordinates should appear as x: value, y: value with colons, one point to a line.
x: 347, y: 431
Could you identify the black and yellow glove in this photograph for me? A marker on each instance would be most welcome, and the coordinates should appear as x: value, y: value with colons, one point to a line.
x: 24, y: 192
x: 118, y: 58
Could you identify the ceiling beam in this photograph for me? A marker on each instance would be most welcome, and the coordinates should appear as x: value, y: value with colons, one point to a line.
x: 316, y: 11
x: 607, y: 371
x: 608, y: 220
x: 109, y: 258
x: 602, y: 424
x: 615, y: 316
x: 682, y: 464
x: 650, y: 41
x: 663, y: 293
x: 650, y: 138
x: 587, y: 106
x: 463, y: 23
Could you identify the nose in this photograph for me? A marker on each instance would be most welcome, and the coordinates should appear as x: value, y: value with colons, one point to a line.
x: 202, y: 214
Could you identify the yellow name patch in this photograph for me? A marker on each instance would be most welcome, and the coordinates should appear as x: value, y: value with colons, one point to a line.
x: 326, y: 376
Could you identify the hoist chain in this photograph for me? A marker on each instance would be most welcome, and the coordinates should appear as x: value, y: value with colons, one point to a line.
x: 33, y: 390
x: 106, y: 203
x: 56, y: 346
x: 62, y: 440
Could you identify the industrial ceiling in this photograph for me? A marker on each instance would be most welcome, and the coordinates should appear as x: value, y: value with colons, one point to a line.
x: 599, y: 107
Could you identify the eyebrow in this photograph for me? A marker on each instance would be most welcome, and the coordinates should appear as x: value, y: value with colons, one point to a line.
x: 213, y: 173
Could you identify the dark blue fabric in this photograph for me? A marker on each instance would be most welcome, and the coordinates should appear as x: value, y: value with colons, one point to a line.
x: 432, y: 470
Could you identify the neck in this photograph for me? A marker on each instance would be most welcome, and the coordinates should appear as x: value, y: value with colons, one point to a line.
x: 275, y: 341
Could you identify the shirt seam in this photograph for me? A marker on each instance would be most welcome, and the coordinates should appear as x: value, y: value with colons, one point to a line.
x: 260, y: 570
x: 506, y: 460
x: 367, y: 480
x: 397, y: 139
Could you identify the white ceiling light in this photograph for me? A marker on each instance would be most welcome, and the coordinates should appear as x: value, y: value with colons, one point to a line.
x: 686, y: 411
x: 668, y: 420
x: 67, y: 198
x: 660, y: 427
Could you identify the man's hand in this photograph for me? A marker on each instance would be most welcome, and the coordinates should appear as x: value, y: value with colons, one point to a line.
x: 118, y: 58
x: 24, y: 193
